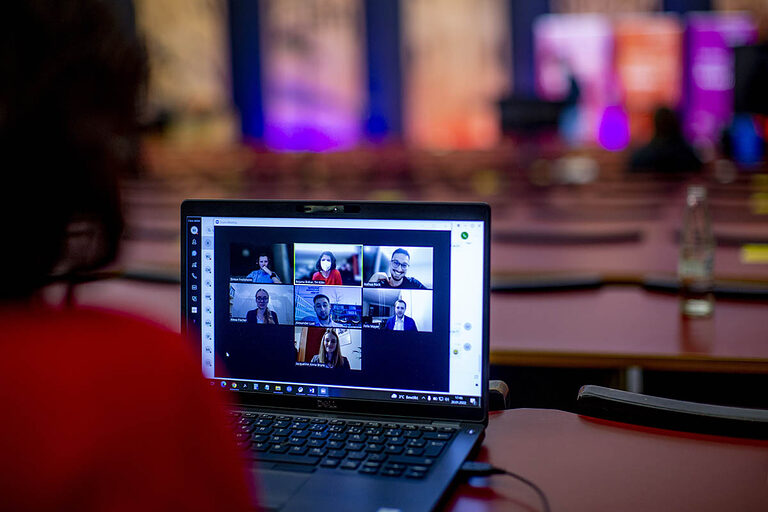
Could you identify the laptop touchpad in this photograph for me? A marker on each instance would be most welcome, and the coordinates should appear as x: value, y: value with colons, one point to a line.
x: 277, y: 487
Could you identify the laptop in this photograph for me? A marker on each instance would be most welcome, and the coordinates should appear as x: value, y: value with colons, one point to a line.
x: 351, y: 339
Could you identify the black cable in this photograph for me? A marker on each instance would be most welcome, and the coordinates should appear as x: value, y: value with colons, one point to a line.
x: 471, y: 468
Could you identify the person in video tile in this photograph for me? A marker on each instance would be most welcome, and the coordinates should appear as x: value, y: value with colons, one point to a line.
x: 326, y: 269
x: 323, y: 312
x: 262, y: 313
x: 398, y: 267
x: 264, y: 274
x: 330, y: 352
x: 400, y: 322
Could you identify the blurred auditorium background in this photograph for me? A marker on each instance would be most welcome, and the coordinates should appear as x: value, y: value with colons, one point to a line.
x: 536, y: 107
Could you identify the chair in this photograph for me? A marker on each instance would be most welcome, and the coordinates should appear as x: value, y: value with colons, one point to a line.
x: 652, y: 411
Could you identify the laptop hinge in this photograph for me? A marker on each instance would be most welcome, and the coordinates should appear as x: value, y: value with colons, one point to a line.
x: 444, y: 424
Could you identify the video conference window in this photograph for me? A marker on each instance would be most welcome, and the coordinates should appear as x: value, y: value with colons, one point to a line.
x: 397, y: 310
x: 263, y: 264
x: 261, y: 303
x: 404, y: 268
x: 328, y: 264
x: 337, y: 348
x: 328, y: 306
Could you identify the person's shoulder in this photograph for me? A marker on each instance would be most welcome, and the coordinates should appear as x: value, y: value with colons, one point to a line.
x: 414, y: 283
x: 315, y: 359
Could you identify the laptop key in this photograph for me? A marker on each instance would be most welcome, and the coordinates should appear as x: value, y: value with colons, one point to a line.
x: 368, y: 471
x: 315, y: 443
x: 317, y: 452
x: 320, y: 421
x: 355, y: 447
x: 412, y: 434
x: 416, y: 443
x: 377, y: 457
x: 410, y: 473
x: 393, y: 432
x: 393, y: 449
x: 438, y: 435
x: 261, y: 447
x: 298, y: 450
x: 317, y: 427
x: 278, y: 448
x: 356, y: 455
x: 374, y: 448
x: 352, y: 430
x: 372, y: 464
x: 337, y: 454
x: 415, y: 461
x: 415, y: 452
x: 349, y: 464
x: 285, y: 457
x: 261, y: 438
x: 336, y: 445
x: 398, y: 441
x: 330, y: 462
x: 338, y: 437
x: 297, y: 441
x: 357, y: 438
x: 390, y: 472
x: 334, y: 429
x: 434, y: 448
x: 395, y: 466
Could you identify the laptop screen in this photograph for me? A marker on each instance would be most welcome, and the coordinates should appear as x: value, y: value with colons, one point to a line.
x: 370, y: 309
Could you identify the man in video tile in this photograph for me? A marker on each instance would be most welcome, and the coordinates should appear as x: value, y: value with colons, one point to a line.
x: 398, y: 267
x: 400, y: 322
x: 323, y: 312
x: 264, y: 274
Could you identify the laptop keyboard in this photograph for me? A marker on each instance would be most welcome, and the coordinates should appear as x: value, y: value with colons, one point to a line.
x: 371, y: 448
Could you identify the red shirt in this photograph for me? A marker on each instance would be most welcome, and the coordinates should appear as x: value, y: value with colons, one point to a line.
x: 333, y: 278
x: 106, y: 412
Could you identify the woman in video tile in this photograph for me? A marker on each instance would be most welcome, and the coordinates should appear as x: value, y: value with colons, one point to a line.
x: 330, y: 352
x: 262, y: 314
x: 326, y: 269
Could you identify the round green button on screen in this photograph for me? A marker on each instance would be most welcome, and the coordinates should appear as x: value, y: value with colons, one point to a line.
x: 464, y: 235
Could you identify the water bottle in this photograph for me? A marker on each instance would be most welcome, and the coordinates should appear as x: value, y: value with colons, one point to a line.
x: 697, y: 254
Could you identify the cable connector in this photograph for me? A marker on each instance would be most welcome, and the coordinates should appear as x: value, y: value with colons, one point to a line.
x: 472, y: 468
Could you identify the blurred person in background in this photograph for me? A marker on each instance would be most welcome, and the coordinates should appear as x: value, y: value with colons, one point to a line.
x: 106, y: 412
x: 668, y: 151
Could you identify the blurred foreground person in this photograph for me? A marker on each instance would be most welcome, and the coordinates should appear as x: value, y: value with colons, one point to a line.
x: 668, y: 151
x: 101, y: 411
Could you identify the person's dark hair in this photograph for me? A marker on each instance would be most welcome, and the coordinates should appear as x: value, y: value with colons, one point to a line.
x: 320, y: 296
x: 401, y: 300
x: 666, y: 124
x: 329, y: 254
x: 69, y: 98
x: 401, y: 251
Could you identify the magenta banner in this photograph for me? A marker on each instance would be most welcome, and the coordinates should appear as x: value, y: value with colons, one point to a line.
x: 709, y: 73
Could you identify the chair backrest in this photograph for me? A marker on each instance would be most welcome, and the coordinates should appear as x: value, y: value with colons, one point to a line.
x: 652, y: 411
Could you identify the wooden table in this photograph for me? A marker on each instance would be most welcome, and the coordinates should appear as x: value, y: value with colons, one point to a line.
x: 583, y: 464
x: 626, y: 326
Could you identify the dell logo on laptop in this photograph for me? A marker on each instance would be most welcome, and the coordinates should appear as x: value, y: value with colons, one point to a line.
x: 327, y: 404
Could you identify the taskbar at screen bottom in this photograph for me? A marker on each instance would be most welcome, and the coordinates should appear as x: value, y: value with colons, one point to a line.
x: 312, y: 390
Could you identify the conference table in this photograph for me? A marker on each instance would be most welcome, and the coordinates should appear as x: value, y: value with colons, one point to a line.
x: 585, y: 464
